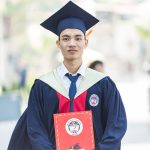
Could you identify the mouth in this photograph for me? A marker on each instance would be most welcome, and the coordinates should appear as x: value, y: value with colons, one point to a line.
x: 72, y: 50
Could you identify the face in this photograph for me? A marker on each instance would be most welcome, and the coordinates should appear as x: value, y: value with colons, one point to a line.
x: 99, y: 68
x: 72, y: 42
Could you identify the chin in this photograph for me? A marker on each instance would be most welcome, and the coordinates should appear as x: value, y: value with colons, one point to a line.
x: 72, y: 58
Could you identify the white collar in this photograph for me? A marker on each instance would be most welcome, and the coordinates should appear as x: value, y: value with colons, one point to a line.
x: 62, y: 70
x: 54, y: 80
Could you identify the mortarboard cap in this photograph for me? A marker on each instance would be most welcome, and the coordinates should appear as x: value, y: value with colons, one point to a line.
x: 69, y: 16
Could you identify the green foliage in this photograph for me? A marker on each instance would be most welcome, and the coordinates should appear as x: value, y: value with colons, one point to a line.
x: 144, y: 32
x: 48, y: 42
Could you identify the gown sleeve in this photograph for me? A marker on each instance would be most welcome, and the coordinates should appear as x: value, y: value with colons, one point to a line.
x: 19, y: 139
x: 36, y: 124
x: 114, y: 117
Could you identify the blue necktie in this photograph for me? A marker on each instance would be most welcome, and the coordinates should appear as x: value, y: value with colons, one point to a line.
x: 72, y: 89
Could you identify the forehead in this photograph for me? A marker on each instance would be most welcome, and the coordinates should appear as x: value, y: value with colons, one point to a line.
x: 71, y: 32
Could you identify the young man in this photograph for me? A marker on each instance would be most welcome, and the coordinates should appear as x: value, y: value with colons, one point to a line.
x: 71, y: 87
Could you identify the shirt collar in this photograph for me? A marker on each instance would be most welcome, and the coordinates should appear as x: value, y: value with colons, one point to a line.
x: 63, y: 70
x: 81, y: 70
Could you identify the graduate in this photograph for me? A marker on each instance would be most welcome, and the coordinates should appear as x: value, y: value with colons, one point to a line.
x: 71, y: 87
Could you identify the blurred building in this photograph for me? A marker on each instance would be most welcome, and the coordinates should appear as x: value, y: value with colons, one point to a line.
x: 118, y: 38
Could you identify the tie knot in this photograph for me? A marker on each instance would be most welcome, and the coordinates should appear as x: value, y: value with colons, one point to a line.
x: 72, y: 78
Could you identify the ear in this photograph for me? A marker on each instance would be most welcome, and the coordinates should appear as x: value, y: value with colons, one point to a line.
x: 58, y: 43
x: 86, y: 43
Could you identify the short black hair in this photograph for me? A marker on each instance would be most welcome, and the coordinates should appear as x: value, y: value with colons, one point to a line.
x: 94, y: 63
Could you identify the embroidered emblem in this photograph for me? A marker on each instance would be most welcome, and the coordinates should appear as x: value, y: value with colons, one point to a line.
x: 94, y: 100
x: 74, y: 127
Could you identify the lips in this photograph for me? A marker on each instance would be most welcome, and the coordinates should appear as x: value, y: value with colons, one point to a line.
x: 72, y: 50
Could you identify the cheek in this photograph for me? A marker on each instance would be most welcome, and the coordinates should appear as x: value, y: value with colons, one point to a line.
x: 62, y: 47
x: 83, y: 46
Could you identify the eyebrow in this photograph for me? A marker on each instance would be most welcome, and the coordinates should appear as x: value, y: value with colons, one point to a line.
x: 78, y: 35
x: 69, y: 36
x: 65, y: 36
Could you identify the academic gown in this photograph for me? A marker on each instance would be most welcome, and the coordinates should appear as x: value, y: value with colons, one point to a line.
x: 48, y: 96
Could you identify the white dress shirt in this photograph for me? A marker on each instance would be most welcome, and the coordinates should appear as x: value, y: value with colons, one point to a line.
x: 62, y: 70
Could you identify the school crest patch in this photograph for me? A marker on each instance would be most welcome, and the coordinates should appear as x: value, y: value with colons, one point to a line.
x: 74, y: 126
x: 94, y: 100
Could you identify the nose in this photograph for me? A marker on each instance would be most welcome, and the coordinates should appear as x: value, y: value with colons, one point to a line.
x: 72, y: 42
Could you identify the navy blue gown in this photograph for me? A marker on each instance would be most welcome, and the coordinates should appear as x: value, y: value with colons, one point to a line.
x: 35, y: 128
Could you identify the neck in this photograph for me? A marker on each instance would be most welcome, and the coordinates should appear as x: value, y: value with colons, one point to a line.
x: 73, y: 66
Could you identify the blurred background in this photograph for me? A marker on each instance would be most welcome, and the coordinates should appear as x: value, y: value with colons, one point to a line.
x: 121, y: 41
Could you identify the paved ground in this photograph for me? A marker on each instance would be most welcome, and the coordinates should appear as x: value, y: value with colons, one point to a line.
x: 136, y: 101
x: 137, y: 137
x: 6, y: 129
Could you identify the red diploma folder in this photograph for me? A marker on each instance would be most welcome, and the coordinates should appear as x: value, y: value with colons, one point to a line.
x: 74, y: 131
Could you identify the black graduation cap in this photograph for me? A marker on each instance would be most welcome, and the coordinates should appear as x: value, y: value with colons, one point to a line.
x: 69, y: 16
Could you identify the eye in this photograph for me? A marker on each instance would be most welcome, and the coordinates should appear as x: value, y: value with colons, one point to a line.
x: 65, y: 39
x: 78, y: 39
